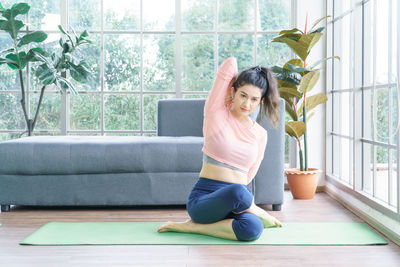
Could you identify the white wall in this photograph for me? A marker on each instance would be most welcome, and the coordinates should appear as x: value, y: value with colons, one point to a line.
x: 316, y: 126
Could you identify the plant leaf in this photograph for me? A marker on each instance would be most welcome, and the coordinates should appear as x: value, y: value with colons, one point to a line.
x: 312, y: 102
x: 295, y: 128
x: 286, y: 75
x: 310, y: 116
x: 37, y: 37
x: 19, y: 9
x: 294, y: 61
x: 291, y: 92
x: 12, y: 27
x: 67, y: 84
x: 298, y: 47
x: 309, y: 81
x: 45, y: 74
x: 61, y: 29
x: 11, y: 63
x: 31, y: 54
x: 286, y: 84
x: 297, y: 69
x: 320, y: 29
x: 79, y: 72
x: 319, y: 20
x: 294, y: 30
x: 322, y: 60
x: 290, y: 111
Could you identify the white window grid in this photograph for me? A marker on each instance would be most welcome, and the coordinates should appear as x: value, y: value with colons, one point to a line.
x: 358, y: 166
x: 178, y: 93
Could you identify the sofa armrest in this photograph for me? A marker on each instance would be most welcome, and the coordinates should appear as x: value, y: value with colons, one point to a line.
x: 268, y: 184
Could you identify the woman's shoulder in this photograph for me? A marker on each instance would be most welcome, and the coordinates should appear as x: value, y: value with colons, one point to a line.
x: 261, y: 131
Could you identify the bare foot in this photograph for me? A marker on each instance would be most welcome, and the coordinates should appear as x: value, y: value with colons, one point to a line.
x: 174, y: 226
x: 266, y: 218
x: 269, y: 221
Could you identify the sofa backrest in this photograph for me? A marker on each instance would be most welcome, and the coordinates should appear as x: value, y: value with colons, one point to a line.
x: 180, y: 117
x: 184, y: 117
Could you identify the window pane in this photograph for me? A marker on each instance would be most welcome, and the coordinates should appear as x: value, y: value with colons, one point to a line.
x: 150, y: 110
x: 343, y: 117
x: 85, y: 112
x: 198, y: 15
x: 122, y: 62
x: 337, y: 154
x: 8, y: 136
x: 368, y: 44
x: 237, y: 45
x: 123, y: 15
x: 11, y: 114
x: 382, y: 115
x: 393, y: 199
x: 345, y: 160
x: 121, y: 112
x: 382, y: 37
x: 368, y: 129
x: 394, y: 34
x: 395, y: 116
x: 195, y: 96
x: 84, y: 15
x: 273, y: 15
x: 9, y: 77
x: 159, y: 15
x: 368, y: 174
x: 340, y: 6
x: 236, y: 15
x: 342, y: 71
x: 49, y: 113
x: 45, y: 15
x: 91, y: 54
x: 197, y: 62
x: 376, y: 124
x: 122, y: 134
x: 9, y: 3
x: 345, y: 114
x: 382, y: 168
x: 159, y: 62
x: 270, y: 54
x: 85, y: 134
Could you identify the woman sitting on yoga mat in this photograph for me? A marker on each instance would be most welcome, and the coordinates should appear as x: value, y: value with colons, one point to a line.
x: 220, y: 204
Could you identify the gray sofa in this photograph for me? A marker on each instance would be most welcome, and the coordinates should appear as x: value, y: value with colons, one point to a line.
x: 126, y: 170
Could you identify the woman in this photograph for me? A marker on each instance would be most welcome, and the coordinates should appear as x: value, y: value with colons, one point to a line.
x: 220, y: 204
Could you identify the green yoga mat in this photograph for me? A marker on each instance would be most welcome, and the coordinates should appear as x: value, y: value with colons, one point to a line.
x: 145, y: 233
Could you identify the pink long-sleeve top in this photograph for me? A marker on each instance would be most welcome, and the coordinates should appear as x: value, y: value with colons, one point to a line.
x: 225, y: 138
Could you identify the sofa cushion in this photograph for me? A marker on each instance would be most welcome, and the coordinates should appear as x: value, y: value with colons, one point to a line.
x: 100, y: 154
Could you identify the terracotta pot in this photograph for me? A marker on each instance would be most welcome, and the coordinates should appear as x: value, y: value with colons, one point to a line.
x: 303, y: 184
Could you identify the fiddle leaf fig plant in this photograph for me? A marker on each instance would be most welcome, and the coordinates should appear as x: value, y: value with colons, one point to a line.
x: 296, y: 79
x: 48, y: 68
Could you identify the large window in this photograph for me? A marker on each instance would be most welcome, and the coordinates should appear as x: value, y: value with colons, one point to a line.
x: 363, y: 144
x: 144, y: 50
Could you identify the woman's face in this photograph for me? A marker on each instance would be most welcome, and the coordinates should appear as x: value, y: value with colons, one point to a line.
x: 246, y: 99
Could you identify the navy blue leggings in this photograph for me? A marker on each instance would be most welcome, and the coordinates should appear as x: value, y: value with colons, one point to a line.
x: 212, y: 200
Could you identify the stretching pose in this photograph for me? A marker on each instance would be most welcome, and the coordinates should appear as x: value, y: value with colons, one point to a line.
x: 220, y: 204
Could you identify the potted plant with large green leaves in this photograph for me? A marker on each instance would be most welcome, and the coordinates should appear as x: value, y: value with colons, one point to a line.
x: 295, y: 80
x: 48, y: 68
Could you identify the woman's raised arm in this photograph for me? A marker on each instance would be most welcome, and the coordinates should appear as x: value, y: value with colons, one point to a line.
x: 221, y: 87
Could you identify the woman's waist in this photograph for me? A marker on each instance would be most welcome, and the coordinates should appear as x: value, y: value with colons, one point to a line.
x: 224, y: 174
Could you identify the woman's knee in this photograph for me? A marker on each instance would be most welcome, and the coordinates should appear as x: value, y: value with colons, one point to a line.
x: 242, y: 197
x: 247, y: 227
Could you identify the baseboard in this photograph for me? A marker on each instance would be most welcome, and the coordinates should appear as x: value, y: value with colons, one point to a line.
x: 366, y: 217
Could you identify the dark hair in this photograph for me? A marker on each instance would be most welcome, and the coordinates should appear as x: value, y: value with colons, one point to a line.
x: 264, y: 79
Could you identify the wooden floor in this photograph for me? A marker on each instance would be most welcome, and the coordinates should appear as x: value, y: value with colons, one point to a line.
x: 22, y: 221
